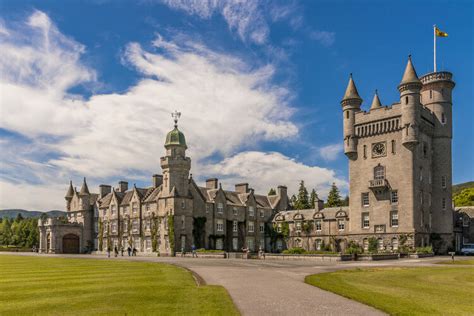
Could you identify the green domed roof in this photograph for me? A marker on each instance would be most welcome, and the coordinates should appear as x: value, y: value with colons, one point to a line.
x: 175, y: 137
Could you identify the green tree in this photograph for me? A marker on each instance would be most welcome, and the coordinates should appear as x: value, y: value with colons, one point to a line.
x: 345, y: 202
x: 293, y: 201
x: 313, y: 198
x: 302, y: 201
x: 272, y: 191
x: 464, y: 198
x: 334, y: 198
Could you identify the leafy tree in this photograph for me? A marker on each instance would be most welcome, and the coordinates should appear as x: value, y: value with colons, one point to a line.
x: 302, y: 201
x: 19, y: 218
x: 334, y: 198
x: 313, y: 198
x: 464, y: 198
x: 345, y: 202
x: 272, y: 191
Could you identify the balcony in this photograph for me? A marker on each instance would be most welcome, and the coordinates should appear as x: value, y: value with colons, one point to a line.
x: 378, y: 184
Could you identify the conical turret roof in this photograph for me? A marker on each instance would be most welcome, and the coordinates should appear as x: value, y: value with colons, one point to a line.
x: 410, y: 76
x: 376, y: 102
x: 351, y: 91
x: 84, y: 188
x: 70, y: 191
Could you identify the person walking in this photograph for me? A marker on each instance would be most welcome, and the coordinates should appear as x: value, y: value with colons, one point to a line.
x: 121, y: 251
x: 108, y: 252
x: 115, y: 251
x: 129, y: 250
x: 193, y: 249
x: 182, y: 252
x: 134, y: 252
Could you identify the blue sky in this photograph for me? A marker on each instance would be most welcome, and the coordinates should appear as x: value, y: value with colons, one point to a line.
x: 88, y: 87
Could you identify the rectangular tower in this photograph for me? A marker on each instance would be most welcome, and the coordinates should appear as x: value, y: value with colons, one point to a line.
x: 400, y: 164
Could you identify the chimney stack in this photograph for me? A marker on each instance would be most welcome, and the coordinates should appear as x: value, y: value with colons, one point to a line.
x: 123, y: 186
x: 104, y: 189
x: 242, y: 187
x: 212, y: 183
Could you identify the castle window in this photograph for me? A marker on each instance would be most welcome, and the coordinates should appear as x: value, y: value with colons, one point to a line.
x: 443, y: 118
x: 147, y: 208
x: 135, y: 226
x: 421, y: 174
x: 262, y: 213
x: 347, y: 114
x: 235, y: 211
x: 220, y: 225
x: 220, y: 208
x: 114, y: 227
x: 365, y: 151
x: 443, y: 182
x: 393, y: 147
x: 406, y: 100
x: 340, y: 224
x: 234, y: 226
x: 431, y: 94
x: 442, y: 92
x: 365, y: 199
x: 183, y: 222
x: 298, y: 226
x: 394, y: 243
x: 317, y: 223
x: 183, y: 204
x: 365, y: 220
x: 251, y: 211
x: 425, y: 149
x: 262, y: 228
x: 394, y: 197
x: 251, y: 227
x: 134, y: 207
x: 318, y: 244
x: 421, y: 198
x: 394, y: 219
x: 125, y: 227
x: 443, y: 203
x: 379, y: 172
x: 112, y: 209
x: 380, y: 244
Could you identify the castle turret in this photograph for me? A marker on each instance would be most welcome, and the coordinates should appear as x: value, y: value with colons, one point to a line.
x: 69, y: 196
x: 350, y: 105
x: 410, y: 102
x: 376, y: 104
x: 84, y: 195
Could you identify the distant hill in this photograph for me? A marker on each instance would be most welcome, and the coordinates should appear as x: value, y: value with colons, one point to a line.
x: 13, y: 213
x: 463, y: 194
x: 461, y: 186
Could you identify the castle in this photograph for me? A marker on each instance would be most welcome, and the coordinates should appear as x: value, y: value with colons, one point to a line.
x: 400, y: 191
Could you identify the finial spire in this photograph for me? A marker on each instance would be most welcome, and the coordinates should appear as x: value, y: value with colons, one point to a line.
x: 84, y: 188
x: 409, y: 76
x: 351, y: 90
x: 376, y: 101
x: 176, y: 115
x: 70, y: 191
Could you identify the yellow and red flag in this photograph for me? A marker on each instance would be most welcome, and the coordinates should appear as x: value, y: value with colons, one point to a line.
x: 440, y: 33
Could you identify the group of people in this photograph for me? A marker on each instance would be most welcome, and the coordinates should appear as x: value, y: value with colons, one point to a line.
x: 193, y: 251
x: 131, y: 251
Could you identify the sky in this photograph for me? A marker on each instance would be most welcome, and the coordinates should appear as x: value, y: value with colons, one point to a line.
x: 87, y: 88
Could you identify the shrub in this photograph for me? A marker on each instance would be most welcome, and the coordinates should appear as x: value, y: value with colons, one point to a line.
x: 295, y: 251
x: 427, y: 249
x: 373, y: 245
x: 353, y: 248
x: 202, y: 250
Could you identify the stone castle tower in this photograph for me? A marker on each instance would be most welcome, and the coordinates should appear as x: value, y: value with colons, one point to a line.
x: 400, y: 162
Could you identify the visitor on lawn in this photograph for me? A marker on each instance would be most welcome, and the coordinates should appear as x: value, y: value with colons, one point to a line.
x: 108, y: 252
x: 115, y: 251
x: 193, y: 249
x: 129, y: 250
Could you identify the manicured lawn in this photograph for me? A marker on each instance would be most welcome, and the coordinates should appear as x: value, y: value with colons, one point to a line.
x: 405, y: 291
x: 60, y: 286
x: 464, y: 262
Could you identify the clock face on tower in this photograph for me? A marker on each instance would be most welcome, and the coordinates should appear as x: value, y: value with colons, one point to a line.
x: 379, y: 149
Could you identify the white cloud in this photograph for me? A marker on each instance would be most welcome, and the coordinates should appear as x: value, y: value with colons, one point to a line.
x: 324, y: 37
x: 244, y: 17
x: 266, y: 170
x: 227, y: 107
x: 330, y: 152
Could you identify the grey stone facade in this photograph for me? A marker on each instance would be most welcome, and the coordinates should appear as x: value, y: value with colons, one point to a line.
x: 399, y: 170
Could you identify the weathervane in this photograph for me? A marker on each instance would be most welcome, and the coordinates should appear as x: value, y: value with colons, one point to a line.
x: 176, y: 115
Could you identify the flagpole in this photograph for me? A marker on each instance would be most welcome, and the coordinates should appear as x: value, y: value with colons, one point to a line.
x: 434, y: 47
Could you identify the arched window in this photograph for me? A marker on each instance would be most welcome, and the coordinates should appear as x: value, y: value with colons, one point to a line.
x: 379, y: 172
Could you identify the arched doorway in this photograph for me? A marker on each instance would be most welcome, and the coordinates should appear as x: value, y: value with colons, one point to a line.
x: 70, y: 243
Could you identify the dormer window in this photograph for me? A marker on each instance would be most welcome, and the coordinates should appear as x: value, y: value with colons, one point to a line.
x: 220, y: 208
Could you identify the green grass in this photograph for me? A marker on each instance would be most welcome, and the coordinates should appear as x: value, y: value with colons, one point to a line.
x: 405, y: 291
x: 77, y: 286
x: 463, y: 262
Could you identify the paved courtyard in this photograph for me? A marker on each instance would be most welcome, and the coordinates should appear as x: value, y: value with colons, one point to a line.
x: 274, y: 287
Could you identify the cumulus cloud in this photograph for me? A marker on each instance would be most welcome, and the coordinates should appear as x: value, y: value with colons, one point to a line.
x: 228, y: 107
x: 331, y: 152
